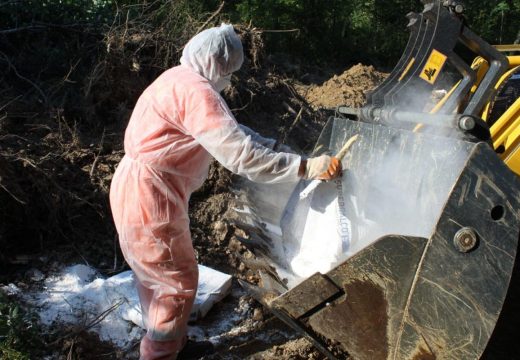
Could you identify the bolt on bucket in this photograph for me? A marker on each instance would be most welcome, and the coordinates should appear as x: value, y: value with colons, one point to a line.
x: 407, y: 256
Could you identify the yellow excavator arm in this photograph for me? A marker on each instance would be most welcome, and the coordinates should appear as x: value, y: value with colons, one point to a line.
x: 502, y: 112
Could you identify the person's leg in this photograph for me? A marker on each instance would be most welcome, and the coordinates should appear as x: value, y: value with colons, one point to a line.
x: 166, y: 311
x: 159, y: 350
x: 153, y: 228
x: 166, y: 275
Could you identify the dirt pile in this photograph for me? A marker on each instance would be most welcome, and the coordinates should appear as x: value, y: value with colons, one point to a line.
x: 349, y: 88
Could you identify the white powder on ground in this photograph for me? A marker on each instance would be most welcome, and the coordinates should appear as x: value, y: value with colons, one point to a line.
x: 79, y: 295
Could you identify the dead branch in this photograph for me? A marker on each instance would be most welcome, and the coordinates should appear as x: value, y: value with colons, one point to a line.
x: 103, y: 315
x: 91, y: 173
x: 29, y: 162
x: 221, y: 6
x: 11, y: 66
x: 20, y: 29
x: 39, y: 26
x: 91, y: 324
x: 298, y: 117
x: 116, y: 243
x: 6, y: 136
x: 9, y: 102
x: 279, y: 31
x: 252, y: 95
x: 289, y: 108
x: 69, y: 355
x: 11, y: 194
x: 96, y: 74
x: 80, y: 254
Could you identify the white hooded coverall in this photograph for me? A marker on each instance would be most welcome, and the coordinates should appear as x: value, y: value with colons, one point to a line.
x: 178, y: 125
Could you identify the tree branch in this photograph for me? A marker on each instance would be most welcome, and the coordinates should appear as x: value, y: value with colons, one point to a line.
x: 279, y: 31
x: 221, y: 6
x: 6, y: 59
x: 20, y: 29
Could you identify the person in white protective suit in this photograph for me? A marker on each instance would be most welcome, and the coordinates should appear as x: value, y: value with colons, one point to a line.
x: 178, y: 125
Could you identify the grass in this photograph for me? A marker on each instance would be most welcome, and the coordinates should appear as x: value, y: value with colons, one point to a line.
x: 18, y: 334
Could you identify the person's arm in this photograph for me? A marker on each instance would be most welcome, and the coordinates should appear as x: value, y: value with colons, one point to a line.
x: 256, y: 137
x: 267, y: 142
x: 212, y: 125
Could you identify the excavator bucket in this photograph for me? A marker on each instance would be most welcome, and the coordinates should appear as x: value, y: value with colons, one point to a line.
x: 408, y: 256
x: 410, y: 253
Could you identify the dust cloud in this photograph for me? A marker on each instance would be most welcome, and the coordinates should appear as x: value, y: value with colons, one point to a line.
x: 396, y: 182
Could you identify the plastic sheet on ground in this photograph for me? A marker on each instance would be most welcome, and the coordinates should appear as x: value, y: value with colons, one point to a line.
x: 79, y: 295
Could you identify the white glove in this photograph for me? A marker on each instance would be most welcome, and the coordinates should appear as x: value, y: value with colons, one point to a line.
x: 323, y: 167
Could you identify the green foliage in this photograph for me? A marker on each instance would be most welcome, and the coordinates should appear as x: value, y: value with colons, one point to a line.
x: 372, y: 31
x: 31, y: 12
x: 332, y: 30
x: 495, y: 21
x: 322, y: 26
x: 17, y: 334
x: 327, y: 31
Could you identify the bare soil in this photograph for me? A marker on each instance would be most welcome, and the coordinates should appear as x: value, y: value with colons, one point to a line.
x: 349, y: 88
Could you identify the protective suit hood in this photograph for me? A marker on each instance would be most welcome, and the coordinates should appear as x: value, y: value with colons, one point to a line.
x: 214, y: 53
